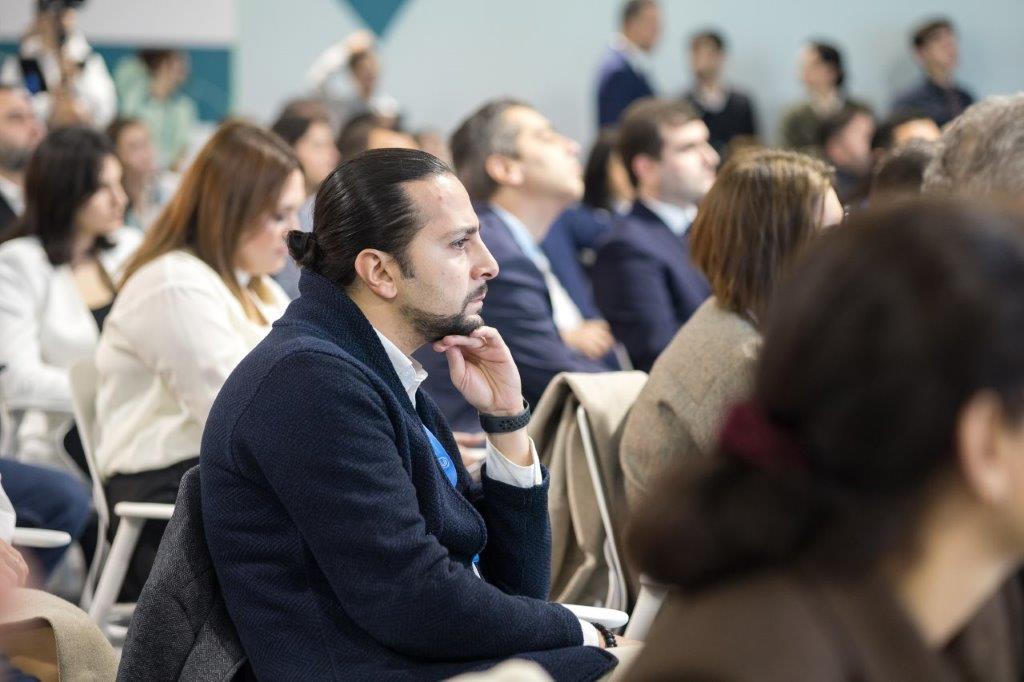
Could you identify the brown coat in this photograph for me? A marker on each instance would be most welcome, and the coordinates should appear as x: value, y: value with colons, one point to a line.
x: 790, y: 626
x: 708, y: 365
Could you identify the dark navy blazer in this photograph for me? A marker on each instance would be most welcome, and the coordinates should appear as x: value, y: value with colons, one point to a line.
x: 342, y: 550
x: 518, y: 305
x: 578, y: 228
x: 618, y: 86
x: 645, y: 284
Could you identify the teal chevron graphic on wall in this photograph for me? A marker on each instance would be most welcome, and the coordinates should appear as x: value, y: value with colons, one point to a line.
x: 377, y: 14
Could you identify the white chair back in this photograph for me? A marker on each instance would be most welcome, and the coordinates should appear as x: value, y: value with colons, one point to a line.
x: 84, y: 384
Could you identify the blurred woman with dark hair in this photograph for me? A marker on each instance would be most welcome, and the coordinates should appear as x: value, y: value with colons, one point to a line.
x: 58, y: 268
x: 823, y: 76
x: 864, y: 517
x: 763, y: 209
x: 196, y: 298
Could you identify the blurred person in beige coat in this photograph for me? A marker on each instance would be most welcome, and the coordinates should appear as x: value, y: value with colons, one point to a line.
x: 763, y: 208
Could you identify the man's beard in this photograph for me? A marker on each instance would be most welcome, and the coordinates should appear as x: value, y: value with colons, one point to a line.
x: 14, y: 159
x: 434, y: 327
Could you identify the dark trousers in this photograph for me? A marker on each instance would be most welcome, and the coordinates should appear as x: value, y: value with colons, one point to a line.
x: 46, y: 498
x: 159, y: 485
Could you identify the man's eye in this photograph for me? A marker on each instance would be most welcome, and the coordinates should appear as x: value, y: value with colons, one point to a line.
x: 461, y: 244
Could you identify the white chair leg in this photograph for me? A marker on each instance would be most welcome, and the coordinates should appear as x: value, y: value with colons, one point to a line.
x: 114, y: 568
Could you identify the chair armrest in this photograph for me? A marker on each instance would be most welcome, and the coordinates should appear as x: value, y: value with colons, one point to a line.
x: 144, y: 510
x: 610, y: 618
x: 40, y: 538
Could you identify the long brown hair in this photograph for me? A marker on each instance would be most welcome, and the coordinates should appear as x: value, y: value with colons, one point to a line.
x: 236, y: 178
x: 763, y: 207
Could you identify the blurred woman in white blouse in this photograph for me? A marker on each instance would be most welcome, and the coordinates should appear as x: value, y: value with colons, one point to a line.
x: 196, y: 298
x: 58, y: 266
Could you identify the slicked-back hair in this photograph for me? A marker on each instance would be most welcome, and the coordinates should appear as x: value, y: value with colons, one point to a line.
x: 485, y: 132
x: 363, y: 204
x: 640, y: 128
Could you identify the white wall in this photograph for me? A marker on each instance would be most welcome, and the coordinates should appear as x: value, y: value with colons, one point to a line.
x: 161, y: 22
x: 443, y: 57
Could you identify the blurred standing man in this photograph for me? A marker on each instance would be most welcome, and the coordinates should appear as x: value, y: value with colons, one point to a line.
x: 938, y: 97
x: 726, y: 112
x: 622, y: 78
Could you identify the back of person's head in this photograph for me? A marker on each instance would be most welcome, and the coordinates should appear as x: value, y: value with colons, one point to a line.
x: 901, y: 127
x: 834, y: 125
x: 369, y: 131
x: 235, y: 180
x: 640, y: 129
x: 981, y: 152
x: 632, y: 9
x: 883, y: 338
x: 363, y: 204
x: 830, y: 55
x: 900, y: 171
x: 291, y: 127
x: 306, y: 108
x: 762, y: 210
x: 62, y: 176
x: 486, y: 131
x: 925, y: 32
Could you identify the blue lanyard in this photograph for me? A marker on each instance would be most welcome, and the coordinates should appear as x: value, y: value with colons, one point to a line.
x: 447, y: 466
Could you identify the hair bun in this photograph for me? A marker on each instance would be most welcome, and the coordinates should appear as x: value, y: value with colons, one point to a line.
x: 304, y: 248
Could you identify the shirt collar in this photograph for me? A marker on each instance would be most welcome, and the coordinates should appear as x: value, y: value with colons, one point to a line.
x: 638, y: 60
x: 523, y: 238
x: 409, y: 371
x: 14, y: 194
x: 677, y: 218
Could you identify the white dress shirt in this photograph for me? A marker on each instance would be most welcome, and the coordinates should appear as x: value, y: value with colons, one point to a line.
x: 499, y: 468
x: 678, y: 218
x: 174, y: 334
x: 564, y: 310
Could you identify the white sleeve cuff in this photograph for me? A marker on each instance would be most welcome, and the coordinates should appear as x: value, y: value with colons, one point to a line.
x: 500, y: 469
x: 591, y: 637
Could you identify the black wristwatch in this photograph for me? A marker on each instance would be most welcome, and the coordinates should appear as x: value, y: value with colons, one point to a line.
x: 493, y: 424
x: 609, y: 636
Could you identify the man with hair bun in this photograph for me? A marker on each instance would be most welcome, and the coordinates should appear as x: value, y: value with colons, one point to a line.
x: 348, y: 537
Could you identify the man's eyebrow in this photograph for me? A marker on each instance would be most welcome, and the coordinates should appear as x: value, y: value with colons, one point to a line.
x: 460, y: 232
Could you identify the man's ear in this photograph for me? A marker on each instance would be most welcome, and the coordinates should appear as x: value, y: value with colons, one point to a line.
x: 504, y: 170
x: 644, y: 166
x: 981, y: 459
x: 377, y: 270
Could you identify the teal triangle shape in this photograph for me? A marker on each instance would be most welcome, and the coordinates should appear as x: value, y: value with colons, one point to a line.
x: 377, y: 14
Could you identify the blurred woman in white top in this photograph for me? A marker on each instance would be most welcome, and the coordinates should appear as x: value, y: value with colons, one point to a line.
x: 58, y: 266
x: 196, y: 298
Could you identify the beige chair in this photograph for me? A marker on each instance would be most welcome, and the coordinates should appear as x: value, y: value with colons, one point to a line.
x: 106, y: 574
